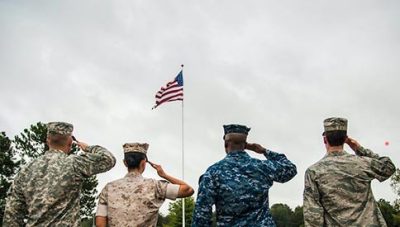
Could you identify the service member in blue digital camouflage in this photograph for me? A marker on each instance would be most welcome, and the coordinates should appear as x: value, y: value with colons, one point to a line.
x: 238, y: 184
x: 46, y: 191
x: 337, y: 189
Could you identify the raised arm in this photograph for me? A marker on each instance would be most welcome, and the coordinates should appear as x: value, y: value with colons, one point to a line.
x: 381, y: 167
x: 185, y: 190
x: 277, y: 165
x: 94, y: 160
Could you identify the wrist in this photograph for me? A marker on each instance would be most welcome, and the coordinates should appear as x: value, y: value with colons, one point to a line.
x: 359, y: 150
x: 266, y: 152
x: 85, y: 148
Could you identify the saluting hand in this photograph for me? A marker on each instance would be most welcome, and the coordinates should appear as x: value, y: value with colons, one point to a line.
x: 158, y: 168
x: 82, y: 145
x: 353, y: 144
x: 255, y: 147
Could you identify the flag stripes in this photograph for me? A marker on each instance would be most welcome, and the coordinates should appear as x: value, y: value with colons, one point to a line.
x: 173, y: 91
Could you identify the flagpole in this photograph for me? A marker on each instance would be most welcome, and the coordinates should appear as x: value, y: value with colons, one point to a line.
x: 161, y: 97
x: 183, y: 161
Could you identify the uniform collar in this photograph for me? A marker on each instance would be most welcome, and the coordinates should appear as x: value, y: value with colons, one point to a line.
x: 134, y: 174
x: 236, y: 153
x: 55, y: 151
x: 336, y: 153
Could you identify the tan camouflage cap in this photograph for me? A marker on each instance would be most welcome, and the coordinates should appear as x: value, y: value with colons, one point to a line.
x: 59, y: 128
x: 335, y: 124
x: 136, y: 147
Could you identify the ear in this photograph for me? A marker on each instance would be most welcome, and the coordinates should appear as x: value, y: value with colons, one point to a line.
x: 143, y: 162
x: 325, y: 140
x: 70, y: 141
x: 125, y: 163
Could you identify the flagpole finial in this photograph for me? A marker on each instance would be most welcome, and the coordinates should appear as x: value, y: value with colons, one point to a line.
x: 182, y: 65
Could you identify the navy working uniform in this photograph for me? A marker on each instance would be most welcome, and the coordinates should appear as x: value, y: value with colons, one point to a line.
x: 238, y: 186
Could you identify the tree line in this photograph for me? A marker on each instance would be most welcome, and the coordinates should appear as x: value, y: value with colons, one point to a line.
x: 282, y: 214
x: 31, y: 143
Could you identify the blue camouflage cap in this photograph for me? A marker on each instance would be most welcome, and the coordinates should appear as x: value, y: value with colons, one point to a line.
x: 59, y: 128
x: 236, y: 132
x: 235, y: 128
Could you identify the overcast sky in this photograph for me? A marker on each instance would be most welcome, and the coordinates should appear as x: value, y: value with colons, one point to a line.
x: 279, y: 67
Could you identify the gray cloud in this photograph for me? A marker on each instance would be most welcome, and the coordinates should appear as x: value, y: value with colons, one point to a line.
x: 279, y: 67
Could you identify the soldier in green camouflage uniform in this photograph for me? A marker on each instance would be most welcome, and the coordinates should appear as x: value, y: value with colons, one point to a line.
x: 46, y: 191
x: 338, y: 187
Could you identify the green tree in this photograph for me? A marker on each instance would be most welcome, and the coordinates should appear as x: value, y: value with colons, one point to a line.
x: 87, y: 222
x: 387, y: 211
x: 297, y: 217
x: 8, y: 168
x: 175, y: 213
x: 396, y: 220
x: 282, y: 214
x: 395, y: 183
x: 214, y: 219
x: 162, y: 220
x: 31, y: 143
x: 285, y: 217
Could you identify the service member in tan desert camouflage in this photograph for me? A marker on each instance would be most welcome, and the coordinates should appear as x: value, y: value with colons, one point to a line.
x: 135, y: 200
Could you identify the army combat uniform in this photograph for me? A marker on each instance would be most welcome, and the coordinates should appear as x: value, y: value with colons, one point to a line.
x: 134, y: 201
x: 46, y: 191
x: 238, y: 186
x: 338, y: 189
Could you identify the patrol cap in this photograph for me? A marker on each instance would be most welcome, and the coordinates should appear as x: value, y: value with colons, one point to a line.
x: 59, y: 128
x: 235, y: 132
x: 136, y: 147
x: 335, y: 124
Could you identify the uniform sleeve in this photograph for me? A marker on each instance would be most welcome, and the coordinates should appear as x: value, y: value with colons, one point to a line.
x: 312, y: 208
x: 172, y: 191
x: 102, y: 206
x: 278, y: 167
x: 202, y: 214
x: 97, y: 160
x: 16, y: 209
x: 381, y: 168
x: 166, y: 190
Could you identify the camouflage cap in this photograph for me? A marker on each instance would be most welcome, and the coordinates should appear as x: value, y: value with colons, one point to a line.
x: 59, y: 128
x: 234, y: 128
x: 136, y: 147
x: 335, y: 124
x: 236, y: 132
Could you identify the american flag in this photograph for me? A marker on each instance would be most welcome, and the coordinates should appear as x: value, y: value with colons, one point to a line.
x: 172, y: 92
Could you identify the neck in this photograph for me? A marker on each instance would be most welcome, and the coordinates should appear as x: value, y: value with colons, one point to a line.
x: 136, y: 170
x: 333, y: 149
x: 232, y: 150
x: 63, y: 149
